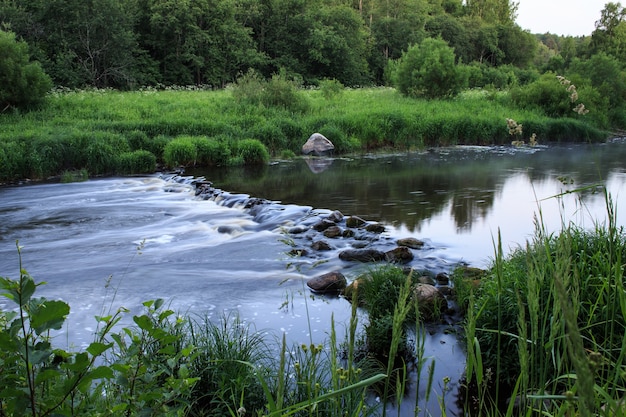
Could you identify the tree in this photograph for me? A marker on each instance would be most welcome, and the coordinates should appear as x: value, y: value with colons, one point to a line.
x: 336, y: 46
x: 428, y: 70
x: 23, y: 83
x: 493, y: 11
x: 610, y: 33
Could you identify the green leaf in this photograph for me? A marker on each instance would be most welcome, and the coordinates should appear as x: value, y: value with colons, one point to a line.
x: 47, y: 375
x: 97, y: 348
x: 47, y: 315
x: 37, y: 356
x: 143, y: 322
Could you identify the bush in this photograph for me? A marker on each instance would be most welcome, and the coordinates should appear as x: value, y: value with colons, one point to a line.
x: 252, y: 152
x: 280, y: 92
x: 428, y: 70
x: 330, y: 88
x: 545, y: 94
x: 23, y: 84
x: 180, y: 152
x: 136, y: 162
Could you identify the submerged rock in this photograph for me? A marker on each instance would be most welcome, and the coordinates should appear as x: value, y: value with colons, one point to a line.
x: 320, y: 245
x: 332, y: 282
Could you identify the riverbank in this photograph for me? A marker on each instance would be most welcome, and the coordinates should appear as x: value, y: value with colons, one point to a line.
x: 107, y: 132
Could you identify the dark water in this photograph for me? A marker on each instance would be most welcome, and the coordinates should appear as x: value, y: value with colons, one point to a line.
x: 213, y: 257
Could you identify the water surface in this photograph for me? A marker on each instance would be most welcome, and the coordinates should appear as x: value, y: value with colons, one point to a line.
x: 115, y: 242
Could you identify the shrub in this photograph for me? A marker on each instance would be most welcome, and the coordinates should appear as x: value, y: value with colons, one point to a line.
x: 136, y: 162
x: 180, y: 152
x: 47, y: 157
x: 330, y: 88
x: 252, y: 152
x: 545, y: 94
x: 428, y: 70
x: 279, y: 91
x: 282, y: 92
x: 23, y: 84
x: 379, y: 292
x: 102, y: 151
x: 248, y: 88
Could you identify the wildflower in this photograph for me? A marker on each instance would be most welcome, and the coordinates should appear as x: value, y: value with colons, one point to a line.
x: 580, y: 109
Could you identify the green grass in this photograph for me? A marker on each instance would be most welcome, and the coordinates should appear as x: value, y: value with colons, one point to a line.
x: 91, y: 129
x: 548, y: 321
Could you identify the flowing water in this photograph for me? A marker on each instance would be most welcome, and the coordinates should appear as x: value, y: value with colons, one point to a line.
x: 114, y: 242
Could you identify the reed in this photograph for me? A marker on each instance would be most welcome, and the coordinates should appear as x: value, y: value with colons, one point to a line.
x: 551, y: 318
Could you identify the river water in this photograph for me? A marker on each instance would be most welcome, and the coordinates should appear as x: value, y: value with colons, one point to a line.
x: 113, y: 242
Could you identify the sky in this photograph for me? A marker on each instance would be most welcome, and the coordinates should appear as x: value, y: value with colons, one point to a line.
x: 561, y: 17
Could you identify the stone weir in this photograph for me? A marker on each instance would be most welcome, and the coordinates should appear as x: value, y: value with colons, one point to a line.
x: 344, y: 244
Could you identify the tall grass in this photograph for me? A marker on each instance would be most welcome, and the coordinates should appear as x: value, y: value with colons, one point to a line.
x: 90, y: 129
x: 549, y: 322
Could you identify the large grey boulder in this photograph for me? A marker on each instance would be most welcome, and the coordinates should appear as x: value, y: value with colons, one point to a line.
x: 318, y: 145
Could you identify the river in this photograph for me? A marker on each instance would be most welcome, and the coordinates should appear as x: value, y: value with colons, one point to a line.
x: 113, y: 242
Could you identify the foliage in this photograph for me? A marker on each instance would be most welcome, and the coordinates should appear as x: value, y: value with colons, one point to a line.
x: 37, y: 378
x: 75, y: 176
x: 380, y: 291
x: 606, y: 75
x: 181, y: 151
x: 252, y: 152
x: 211, y: 151
x: 550, y: 318
x: 136, y: 162
x: 330, y: 88
x: 23, y: 84
x: 428, y: 70
x: 164, y: 364
x: 278, y: 92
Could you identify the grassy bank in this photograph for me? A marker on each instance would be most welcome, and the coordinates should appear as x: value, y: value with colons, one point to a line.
x: 106, y: 132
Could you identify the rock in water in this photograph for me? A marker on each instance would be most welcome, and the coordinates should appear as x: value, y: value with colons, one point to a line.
x: 430, y: 301
x: 362, y: 255
x: 318, y: 145
x: 332, y: 282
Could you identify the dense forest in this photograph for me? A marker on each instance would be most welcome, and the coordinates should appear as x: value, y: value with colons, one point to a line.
x: 125, y: 44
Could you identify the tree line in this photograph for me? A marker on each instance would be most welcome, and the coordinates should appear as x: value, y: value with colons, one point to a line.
x: 125, y: 44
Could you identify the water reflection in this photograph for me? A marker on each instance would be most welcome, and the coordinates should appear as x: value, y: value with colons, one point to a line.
x: 463, y: 190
